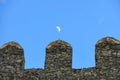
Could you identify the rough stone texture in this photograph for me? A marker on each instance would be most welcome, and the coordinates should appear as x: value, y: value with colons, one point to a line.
x: 108, y: 58
x: 58, y: 62
x: 58, y: 59
x: 11, y: 62
x: 33, y: 74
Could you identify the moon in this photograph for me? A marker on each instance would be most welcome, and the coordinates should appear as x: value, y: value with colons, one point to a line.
x: 58, y: 28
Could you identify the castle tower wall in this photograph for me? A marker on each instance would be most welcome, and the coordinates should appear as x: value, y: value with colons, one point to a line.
x: 58, y: 58
x: 11, y: 61
x: 108, y: 58
x: 58, y: 63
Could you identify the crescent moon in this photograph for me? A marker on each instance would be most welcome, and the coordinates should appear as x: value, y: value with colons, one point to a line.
x: 58, y: 28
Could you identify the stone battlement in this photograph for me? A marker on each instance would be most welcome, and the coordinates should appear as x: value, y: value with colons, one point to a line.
x: 58, y: 62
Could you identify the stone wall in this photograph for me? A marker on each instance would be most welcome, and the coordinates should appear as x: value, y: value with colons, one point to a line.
x: 58, y: 59
x: 58, y: 62
x: 108, y: 58
x: 11, y: 62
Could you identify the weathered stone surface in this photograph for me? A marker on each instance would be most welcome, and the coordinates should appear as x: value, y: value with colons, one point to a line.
x: 34, y: 74
x: 58, y: 62
x: 107, y: 58
x: 58, y: 59
x: 11, y: 61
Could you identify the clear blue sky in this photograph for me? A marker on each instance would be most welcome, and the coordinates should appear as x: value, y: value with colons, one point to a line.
x: 32, y: 23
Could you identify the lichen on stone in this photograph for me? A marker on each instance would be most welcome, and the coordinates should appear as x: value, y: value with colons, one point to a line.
x: 12, y: 43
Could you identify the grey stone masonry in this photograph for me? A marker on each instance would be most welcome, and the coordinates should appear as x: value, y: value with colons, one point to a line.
x: 11, y: 62
x: 58, y: 59
x: 58, y: 62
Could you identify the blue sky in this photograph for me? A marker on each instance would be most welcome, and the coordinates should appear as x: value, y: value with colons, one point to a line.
x: 32, y: 23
